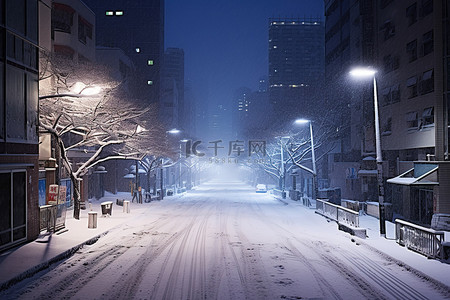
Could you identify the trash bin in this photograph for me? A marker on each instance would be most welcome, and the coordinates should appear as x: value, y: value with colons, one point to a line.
x: 126, y: 207
x: 106, y: 208
x: 92, y: 219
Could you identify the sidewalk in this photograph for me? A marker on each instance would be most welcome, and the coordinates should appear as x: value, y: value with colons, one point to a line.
x: 429, y: 269
x: 26, y: 260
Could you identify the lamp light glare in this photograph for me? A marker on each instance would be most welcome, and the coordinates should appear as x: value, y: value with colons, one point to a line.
x: 362, y: 72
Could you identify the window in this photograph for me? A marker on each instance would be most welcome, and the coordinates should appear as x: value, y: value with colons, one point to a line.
x: 62, y: 18
x: 391, y: 63
x: 150, y: 62
x: 387, y: 127
x: 84, y: 30
x: 427, y: 7
x: 386, y: 96
x: 384, y: 3
x: 427, y: 42
x: 15, y: 18
x: 15, y: 103
x: 427, y: 116
x: 411, y: 85
x: 13, y: 200
x: 150, y: 82
x: 2, y: 101
x: 109, y: 13
x: 119, y: 13
x: 411, y: 50
x: 411, y: 14
x: 32, y: 106
x: 395, y: 93
x: 389, y: 29
x: 427, y: 83
x: 411, y: 119
x: 138, y: 50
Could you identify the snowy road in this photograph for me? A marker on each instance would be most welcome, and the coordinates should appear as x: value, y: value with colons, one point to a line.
x: 224, y: 241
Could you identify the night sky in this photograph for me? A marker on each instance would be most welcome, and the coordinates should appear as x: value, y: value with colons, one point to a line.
x: 225, y: 41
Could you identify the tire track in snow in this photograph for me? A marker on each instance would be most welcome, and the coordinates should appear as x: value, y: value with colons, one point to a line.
x: 390, y: 283
x: 362, y: 285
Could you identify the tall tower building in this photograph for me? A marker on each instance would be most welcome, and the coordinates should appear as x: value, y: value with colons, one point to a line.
x: 173, y: 106
x: 136, y: 27
x: 296, y: 66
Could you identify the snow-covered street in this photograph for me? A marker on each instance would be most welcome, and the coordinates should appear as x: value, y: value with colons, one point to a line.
x: 224, y: 241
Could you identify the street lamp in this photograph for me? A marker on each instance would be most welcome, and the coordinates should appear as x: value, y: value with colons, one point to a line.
x: 370, y: 73
x: 313, y: 155
x: 174, y: 131
x: 282, y: 177
x: 179, y: 163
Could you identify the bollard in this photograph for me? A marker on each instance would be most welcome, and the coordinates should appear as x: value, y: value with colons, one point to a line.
x: 90, y: 206
x: 92, y: 219
x: 126, y: 207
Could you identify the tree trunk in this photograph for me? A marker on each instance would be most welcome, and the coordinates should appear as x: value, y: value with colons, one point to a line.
x: 76, y: 197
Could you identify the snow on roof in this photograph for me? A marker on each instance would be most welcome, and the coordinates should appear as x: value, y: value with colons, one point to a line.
x: 369, y: 158
x: 368, y: 172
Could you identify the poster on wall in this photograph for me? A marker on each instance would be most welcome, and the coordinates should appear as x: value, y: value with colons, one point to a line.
x: 42, y: 183
x: 52, y: 194
x: 62, y: 194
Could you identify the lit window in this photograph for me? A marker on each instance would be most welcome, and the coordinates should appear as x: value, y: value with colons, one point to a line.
x: 109, y: 13
x: 150, y: 62
x: 275, y: 47
x: 138, y: 50
x: 149, y: 82
x: 119, y: 12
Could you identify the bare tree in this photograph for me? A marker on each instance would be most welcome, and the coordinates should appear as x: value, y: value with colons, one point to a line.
x: 276, y: 162
x: 105, y: 126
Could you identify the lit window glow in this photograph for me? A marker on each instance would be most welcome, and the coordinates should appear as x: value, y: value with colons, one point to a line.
x: 149, y: 82
x: 119, y: 12
x: 109, y: 13
x: 138, y: 50
x: 150, y: 62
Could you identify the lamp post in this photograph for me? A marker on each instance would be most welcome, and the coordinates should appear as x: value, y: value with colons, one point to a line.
x: 367, y: 73
x: 283, y: 170
x: 180, y: 183
x: 313, y: 156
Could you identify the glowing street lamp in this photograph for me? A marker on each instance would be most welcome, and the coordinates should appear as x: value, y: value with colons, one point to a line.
x: 313, y: 155
x: 179, y: 163
x: 174, y: 131
x: 370, y: 73
x: 79, y: 90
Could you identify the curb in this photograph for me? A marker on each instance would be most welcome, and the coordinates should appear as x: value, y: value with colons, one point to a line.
x: 45, y: 265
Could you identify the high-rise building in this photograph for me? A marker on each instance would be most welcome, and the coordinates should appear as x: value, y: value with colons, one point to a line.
x: 350, y: 41
x: 19, y: 195
x: 172, y: 106
x: 136, y: 27
x: 296, y: 66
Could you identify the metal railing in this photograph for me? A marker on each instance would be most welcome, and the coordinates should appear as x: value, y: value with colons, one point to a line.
x: 337, y: 213
x: 424, y: 240
x: 48, y: 215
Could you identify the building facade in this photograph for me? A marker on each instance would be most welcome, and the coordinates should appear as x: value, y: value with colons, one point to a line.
x: 407, y: 43
x: 172, y: 106
x: 19, y: 213
x: 136, y: 27
x: 412, y: 56
x: 349, y: 42
x: 296, y: 67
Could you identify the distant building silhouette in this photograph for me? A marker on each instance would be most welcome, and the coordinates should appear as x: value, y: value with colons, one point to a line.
x: 296, y: 66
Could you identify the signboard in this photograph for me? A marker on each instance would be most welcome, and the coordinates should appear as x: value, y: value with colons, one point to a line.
x: 351, y: 173
x: 62, y: 194
x: 52, y: 194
